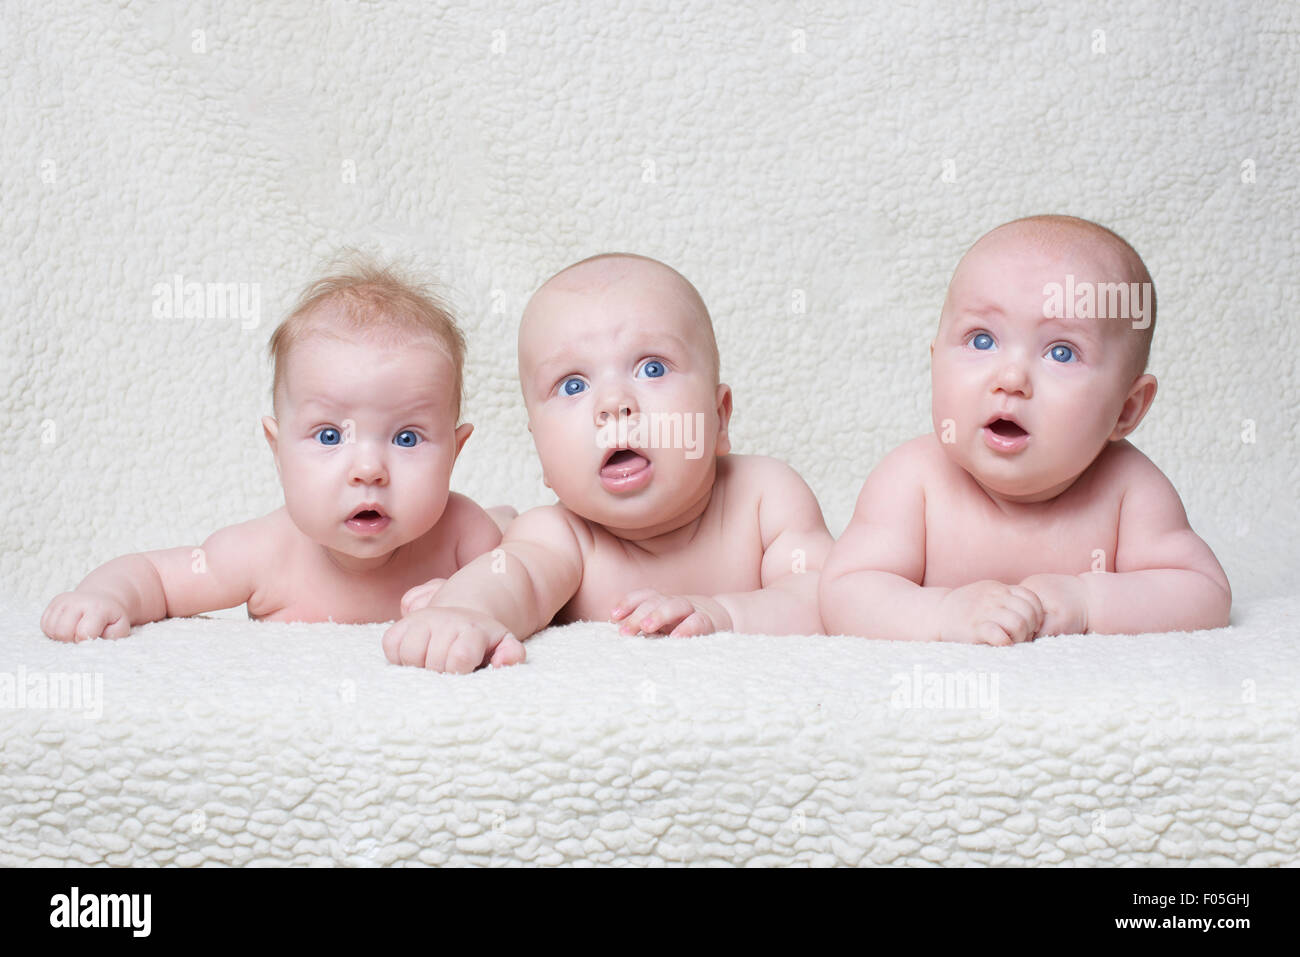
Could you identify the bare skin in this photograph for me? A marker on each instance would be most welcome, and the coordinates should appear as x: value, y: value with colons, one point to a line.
x: 1027, y: 512
x: 677, y: 540
x: 360, y: 425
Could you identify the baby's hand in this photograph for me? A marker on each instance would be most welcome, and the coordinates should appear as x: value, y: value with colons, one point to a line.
x: 990, y: 613
x: 648, y: 612
x: 421, y: 595
x: 1065, y: 603
x: 455, y: 640
x: 78, y: 615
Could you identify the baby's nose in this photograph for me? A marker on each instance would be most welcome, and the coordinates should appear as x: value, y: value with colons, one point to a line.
x: 1013, y: 376
x: 619, y: 404
x: 368, y: 468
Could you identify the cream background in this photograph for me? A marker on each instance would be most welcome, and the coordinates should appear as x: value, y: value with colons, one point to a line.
x: 492, y: 146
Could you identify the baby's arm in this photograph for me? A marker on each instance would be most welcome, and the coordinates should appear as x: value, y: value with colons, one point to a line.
x: 475, y: 530
x: 514, y: 590
x: 1166, y: 578
x: 871, y: 583
x: 795, y: 545
x: 149, y: 586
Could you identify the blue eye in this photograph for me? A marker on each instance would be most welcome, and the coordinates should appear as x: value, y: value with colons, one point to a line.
x: 573, y: 385
x: 983, y: 342
x: 329, y: 436
x: 653, y: 369
x: 1061, y: 353
x: 406, y: 439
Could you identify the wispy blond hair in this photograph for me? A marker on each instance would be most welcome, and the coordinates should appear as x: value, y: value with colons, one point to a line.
x: 375, y: 300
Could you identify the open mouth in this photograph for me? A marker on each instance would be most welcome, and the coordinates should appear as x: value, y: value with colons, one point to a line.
x: 1006, y: 429
x: 625, y: 470
x: 368, y: 521
x: 623, y: 462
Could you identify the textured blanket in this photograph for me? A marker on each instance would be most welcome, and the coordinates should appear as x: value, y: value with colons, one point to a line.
x: 173, y: 174
x: 224, y: 741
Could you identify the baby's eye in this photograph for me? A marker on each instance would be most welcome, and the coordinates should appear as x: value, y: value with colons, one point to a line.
x: 406, y: 439
x: 652, y: 369
x: 1061, y: 353
x: 329, y: 436
x: 982, y: 341
x: 572, y: 386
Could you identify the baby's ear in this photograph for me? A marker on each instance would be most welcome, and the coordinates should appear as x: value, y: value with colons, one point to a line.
x: 931, y: 348
x: 724, y: 418
x: 271, y: 429
x: 462, y: 433
x: 1140, y: 396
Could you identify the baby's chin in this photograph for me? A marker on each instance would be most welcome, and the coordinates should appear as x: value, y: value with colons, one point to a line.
x: 1020, y: 485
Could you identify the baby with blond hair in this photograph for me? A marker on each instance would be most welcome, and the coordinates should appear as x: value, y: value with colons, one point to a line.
x: 1027, y: 512
x: 367, y: 397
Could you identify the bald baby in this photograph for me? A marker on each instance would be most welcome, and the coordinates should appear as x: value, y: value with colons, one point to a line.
x: 1114, y: 284
x: 658, y: 525
x: 1027, y: 512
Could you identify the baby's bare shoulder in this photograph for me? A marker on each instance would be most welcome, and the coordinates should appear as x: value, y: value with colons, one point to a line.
x: 1123, y: 468
x: 755, y: 476
x: 917, y: 465
x: 1121, y: 471
x: 551, y: 526
x: 923, y: 454
x: 258, y: 536
x: 773, y: 491
x: 465, y: 526
x: 462, y: 515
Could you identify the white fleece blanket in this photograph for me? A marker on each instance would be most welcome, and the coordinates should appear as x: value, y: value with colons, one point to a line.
x: 817, y: 172
x: 222, y: 741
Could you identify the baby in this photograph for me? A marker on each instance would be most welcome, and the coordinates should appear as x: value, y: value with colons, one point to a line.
x: 657, y: 526
x: 366, y: 395
x: 1028, y: 513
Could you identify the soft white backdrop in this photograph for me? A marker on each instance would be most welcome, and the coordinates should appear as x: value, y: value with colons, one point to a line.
x: 838, y: 154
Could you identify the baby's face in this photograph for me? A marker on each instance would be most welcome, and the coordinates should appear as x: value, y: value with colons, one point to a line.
x: 632, y: 345
x: 364, y: 443
x: 1025, y: 403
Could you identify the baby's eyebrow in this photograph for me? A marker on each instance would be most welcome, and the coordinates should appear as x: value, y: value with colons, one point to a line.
x: 1075, y: 328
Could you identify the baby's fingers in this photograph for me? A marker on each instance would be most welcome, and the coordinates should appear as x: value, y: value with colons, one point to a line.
x: 509, y: 652
x: 990, y: 633
x: 1013, y: 623
x: 117, y: 628
x: 670, y: 612
x: 631, y: 601
x: 694, y: 624
x: 92, y: 623
x: 462, y: 654
x: 632, y: 623
x: 414, y: 643
x: 58, y: 621
x: 421, y: 595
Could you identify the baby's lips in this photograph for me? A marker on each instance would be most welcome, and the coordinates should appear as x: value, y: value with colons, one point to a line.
x: 619, y: 463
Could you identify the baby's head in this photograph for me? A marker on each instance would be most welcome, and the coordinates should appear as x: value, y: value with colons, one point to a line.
x: 367, y: 395
x: 1040, y: 356
x: 619, y: 371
